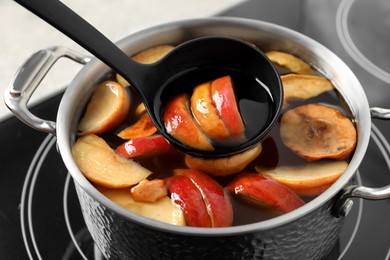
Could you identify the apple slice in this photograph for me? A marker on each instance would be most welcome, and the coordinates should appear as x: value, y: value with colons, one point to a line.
x: 153, y: 54
x: 140, y: 109
x: 205, y: 113
x: 187, y: 196
x: 301, y: 87
x: 290, y: 62
x: 217, y: 201
x: 264, y: 191
x: 162, y: 210
x: 148, y: 56
x: 180, y: 124
x: 145, y: 146
x: 310, y: 179
x: 224, y: 99
x: 315, y: 131
x: 102, y: 166
x: 223, y: 166
x: 142, y: 128
x: 107, y: 108
x: 149, y: 191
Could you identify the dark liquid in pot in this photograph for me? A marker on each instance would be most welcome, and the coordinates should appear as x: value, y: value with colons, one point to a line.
x: 274, y: 152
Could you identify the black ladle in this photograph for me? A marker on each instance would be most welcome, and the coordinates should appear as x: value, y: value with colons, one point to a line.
x: 149, y: 80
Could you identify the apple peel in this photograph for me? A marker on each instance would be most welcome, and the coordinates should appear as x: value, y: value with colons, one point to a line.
x: 148, y: 146
x: 225, y: 102
x: 187, y: 196
x: 217, y: 201
x: 181, y: 125
x: 263, y: 191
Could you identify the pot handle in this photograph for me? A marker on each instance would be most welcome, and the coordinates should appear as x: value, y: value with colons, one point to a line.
x: 344, y: 203
x: 27, y: 79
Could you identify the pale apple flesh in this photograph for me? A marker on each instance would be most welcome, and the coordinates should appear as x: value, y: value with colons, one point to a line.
x: 102, y: 166
x: 301, y: 87
x: 205, y: 113
x: 161, y: 210
x: 223, y: 166
x: 289, y: 61
x: 309, y: 179
x: 149, y: 190
x: 107, y: 108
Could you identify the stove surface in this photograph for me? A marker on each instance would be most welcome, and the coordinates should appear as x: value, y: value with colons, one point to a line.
x: 40, y: 217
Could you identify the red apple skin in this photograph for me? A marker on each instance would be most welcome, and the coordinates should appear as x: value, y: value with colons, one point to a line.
x: 259, y: 188
x: 225, y: 102
x: 181, y: 125
x: 215, y: 197
x: 145, y: 146
x: 185, y: 194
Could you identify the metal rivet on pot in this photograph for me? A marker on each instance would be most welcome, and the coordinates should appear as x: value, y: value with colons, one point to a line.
x: 346, y: 208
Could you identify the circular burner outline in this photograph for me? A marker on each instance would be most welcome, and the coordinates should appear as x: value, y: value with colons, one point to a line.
x: 347, y: 42
x: 66, y: 216
x: 28, y: 188
x: 50, y: 140
x: 384, y: 147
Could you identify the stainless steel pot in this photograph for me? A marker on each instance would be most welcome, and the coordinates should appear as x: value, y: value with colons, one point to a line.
x: 306, y: 233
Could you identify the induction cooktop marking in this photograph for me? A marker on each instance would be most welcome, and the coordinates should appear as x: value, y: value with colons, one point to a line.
x: 28, y: 188
x: 347, y: 42
x: 382, y: 143
x: 66, y: 215
x: 384, y: 147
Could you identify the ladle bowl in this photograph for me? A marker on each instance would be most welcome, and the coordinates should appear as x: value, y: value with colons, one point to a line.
x: 150, y: 80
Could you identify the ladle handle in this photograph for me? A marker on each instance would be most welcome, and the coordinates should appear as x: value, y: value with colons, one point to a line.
x: 27, y: 79
x: 71, y: 24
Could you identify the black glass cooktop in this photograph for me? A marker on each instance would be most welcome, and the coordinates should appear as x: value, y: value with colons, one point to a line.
x: 40, y: 217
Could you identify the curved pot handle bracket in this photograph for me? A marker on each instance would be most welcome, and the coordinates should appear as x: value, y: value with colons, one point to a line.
x: 344, y: 202
x: 380, y: 113
x: 28, y: 78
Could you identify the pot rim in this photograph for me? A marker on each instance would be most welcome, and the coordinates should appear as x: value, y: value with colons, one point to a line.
x: 359, y: 108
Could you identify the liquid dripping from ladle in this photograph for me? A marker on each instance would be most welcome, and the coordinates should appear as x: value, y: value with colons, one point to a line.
x: 215, y: 52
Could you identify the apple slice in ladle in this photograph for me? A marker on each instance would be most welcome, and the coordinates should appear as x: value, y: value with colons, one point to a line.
x: 153, y: 81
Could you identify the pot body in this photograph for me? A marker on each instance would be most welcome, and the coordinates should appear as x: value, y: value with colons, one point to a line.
x: 309, y: 237
x: 306, y: 233
x: 309, y: 234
